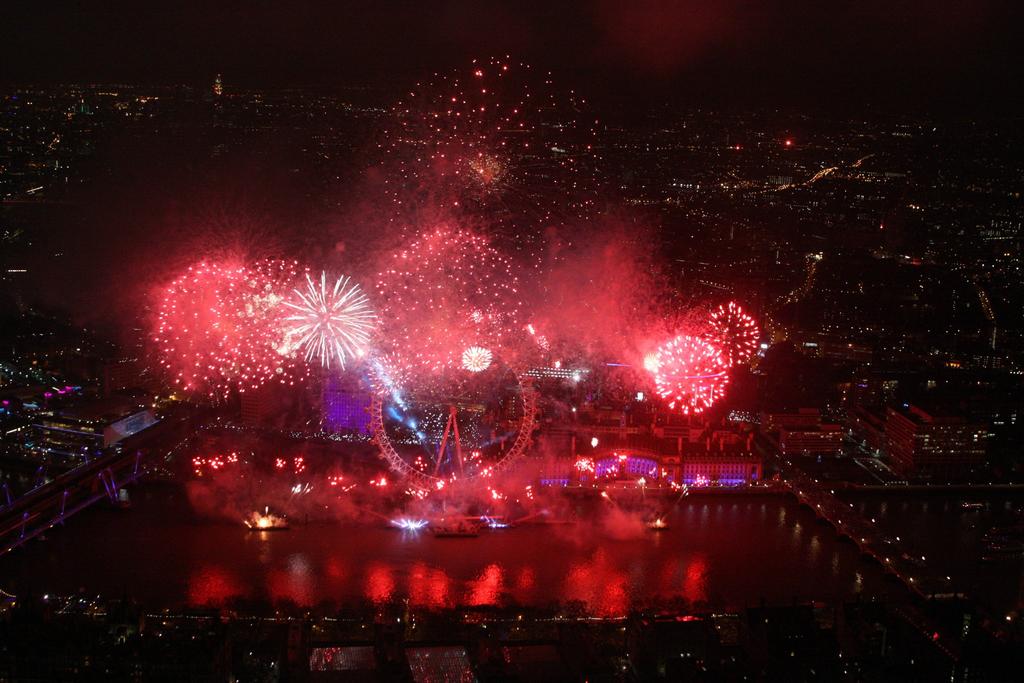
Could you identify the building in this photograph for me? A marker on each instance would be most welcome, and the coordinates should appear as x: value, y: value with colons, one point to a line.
x: 874, y: 388
x: 255, y: 406
x: 557, y: 373
x: 125, y: 374
x: 867, y: 427
x: 628, y: 465
x: 90, y: 428
x: 825, y: 439
x: 804, y: 417
x: 832, y: 346
x: 720, y: 468
x: 672, y: 647
x: 693, y: 467
x: 343, y: 410
x: 352, y: 659
x: 439, y: 663
x: 683, y: 433
x: 927, y: 441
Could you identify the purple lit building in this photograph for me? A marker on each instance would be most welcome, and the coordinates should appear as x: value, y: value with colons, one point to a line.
x: 345, y: 410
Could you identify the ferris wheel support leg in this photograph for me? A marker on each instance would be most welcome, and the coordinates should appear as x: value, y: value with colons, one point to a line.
x: 458, y: 441
x: 443, y: 447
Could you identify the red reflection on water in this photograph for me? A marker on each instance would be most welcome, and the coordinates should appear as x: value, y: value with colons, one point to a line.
x: 335, y: 570
x: 428, y: 586
x: 695, y: 585
x: 295, y: 583
x: 525, y: 583
x: 598, y: 584
x: 613, y: 599
x: 668, y: 578
x: 212, y: 586
x: 486, y: 588
x: 336, y: 581
x: 578, y: 582
x: 380, y: 583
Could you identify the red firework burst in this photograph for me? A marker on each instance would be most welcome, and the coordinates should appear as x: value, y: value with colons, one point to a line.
x: 735, y: 332
x: 447, y: 291
x: 219, y: 327
x: 690, y: 373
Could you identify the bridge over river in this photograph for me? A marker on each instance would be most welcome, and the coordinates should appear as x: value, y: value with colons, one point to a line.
x: 46, y: 506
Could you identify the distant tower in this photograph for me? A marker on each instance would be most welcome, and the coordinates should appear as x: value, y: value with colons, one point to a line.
x: 218, y: 86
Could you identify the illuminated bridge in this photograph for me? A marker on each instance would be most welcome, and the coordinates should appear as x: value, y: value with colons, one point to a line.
x: 44, y: 507
x: 912, y: 571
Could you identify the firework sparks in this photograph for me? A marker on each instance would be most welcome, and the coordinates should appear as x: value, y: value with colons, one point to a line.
x: 735, y: 332
x: 476, y: 359
x: 691, y: 374
x: 447, y: 291
x: 540, y: 339
x: 218, y: 327
x: 329, y: 323
x: 213, y: 463
x: 495, y: 135
x: 387, y: 377
x: 585, y: 465
x: 409, y: 524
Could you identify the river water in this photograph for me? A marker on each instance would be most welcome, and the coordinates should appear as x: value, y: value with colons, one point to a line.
x: 721, y: 550
x: 937, y: 528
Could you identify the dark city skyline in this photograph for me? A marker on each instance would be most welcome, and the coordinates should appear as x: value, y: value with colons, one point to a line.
x: 946, y: 55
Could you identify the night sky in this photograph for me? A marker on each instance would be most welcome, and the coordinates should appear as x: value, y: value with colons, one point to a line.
x: 937, y: 55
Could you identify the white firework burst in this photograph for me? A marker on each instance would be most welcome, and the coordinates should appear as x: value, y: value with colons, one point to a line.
x: 332, y: 324
x: 476, y: 359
